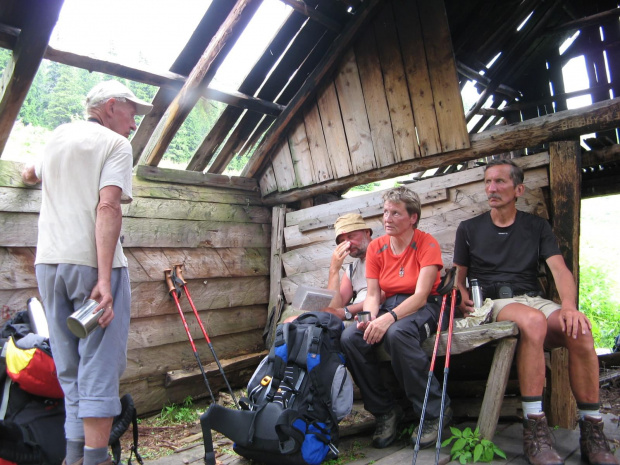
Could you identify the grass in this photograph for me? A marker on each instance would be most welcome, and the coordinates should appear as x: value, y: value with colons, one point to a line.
x: 599, y: 283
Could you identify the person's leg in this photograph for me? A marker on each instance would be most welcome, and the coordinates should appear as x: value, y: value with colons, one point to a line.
x: 583, y: 375
x: 58, y: 306
x: 102, y: 362
x: 410, y: 363
x: 378, y: 400
x: 532, y: 323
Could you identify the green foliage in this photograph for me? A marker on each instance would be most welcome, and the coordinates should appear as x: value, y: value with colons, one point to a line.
x: 187, y: 412
x: 599, y: 303
x: 469, y: 447
x: 348, y: 455
x: 366, y: 187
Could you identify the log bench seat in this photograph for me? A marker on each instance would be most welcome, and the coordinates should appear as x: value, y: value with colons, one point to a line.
x: 468, y: 339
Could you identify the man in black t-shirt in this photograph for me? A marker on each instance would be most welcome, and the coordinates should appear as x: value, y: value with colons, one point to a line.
x: 502, y: 249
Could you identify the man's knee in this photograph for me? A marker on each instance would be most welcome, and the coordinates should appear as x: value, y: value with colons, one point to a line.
x: 348, y: 337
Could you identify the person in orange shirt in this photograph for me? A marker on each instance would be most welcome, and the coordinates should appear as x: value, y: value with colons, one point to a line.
x: 404, y: 263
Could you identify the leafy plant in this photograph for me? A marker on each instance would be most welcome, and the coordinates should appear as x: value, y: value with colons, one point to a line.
x: 187, y: 412
x: 469, y: 447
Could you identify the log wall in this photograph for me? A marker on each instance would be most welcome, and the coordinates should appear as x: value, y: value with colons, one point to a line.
x: 394, y: 97
x: 446, y: 201
x: 222, y: 236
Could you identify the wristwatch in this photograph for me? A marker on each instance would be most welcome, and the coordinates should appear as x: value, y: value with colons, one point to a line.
x: 347, y: 314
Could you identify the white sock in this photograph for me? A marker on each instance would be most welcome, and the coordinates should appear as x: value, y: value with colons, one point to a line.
x: 531, y: 407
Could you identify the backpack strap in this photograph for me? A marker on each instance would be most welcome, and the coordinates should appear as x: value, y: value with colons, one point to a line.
x: 5, y: 397
x: 279, y: 357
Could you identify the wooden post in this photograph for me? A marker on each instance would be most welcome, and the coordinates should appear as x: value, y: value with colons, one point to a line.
x: 565, y: 186
x: 496, y: 387
x: 275, y: 274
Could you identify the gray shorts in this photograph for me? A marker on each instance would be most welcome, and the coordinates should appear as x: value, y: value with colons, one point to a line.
x: 544, y: 305
x: 88, y: 369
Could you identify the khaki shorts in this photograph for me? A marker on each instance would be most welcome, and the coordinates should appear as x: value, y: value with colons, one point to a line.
x: 544, y: 305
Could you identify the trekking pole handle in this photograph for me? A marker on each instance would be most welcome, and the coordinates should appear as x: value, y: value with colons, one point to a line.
x: 169, y: 283
x: 179, y: 273
x: 455, y: 285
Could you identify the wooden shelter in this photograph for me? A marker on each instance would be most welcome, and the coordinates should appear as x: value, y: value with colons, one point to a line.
x: 347, y: 93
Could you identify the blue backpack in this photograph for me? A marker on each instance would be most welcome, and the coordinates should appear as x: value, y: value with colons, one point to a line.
x: 296, y: 397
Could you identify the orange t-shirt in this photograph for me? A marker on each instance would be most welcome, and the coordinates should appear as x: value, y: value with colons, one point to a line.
x: 382, y: 264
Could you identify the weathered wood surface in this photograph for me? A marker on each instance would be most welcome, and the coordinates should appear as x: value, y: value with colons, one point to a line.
x: 561, y: 125
x: 467, y: 339
x: 275, y: 273
x: 394, y: 97
x: 565, y: 183
x: 496, y: 386
x: 222, y: 238
x: 446, y: 201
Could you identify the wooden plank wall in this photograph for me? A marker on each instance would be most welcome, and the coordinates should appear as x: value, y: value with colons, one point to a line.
x: 446, y: 201
x: 222, y: 236
x: 394, y: 97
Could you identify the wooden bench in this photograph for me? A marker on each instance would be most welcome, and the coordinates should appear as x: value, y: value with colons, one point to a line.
x: 468, y: 339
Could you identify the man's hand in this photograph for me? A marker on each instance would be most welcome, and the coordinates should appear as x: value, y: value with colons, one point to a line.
x: 339, y: 312
x: 467, y: 305
x: 102, y: 293
x: 340, y: 253
x: 570, y: 321
x: 29, y: 176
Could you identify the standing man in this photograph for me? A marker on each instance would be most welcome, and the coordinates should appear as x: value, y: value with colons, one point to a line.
x: 86, y: 173
x: 502, y: 249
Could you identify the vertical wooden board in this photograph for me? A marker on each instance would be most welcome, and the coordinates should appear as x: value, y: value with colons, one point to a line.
x: 354, y: 115
x: 374, y: 98
x: 335, y: 138
x: 418, y: 79
x: 267, y: 181
x: 316, y: 144
x: 444, y: 79
x: 300, y: 155
x: 283, y: 168
x: 395, y: 83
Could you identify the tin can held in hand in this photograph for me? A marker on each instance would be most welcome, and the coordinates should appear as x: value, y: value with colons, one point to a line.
x: 83, y: 321
x: 363, y: 317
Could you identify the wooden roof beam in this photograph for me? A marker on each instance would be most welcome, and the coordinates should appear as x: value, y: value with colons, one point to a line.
x: 208, y: 26
x: 562, y: 125
x: 23, y: 65
x: 200, y: 77
x: 327, y: 64
x: 586, y: 21
x: 315, y: 15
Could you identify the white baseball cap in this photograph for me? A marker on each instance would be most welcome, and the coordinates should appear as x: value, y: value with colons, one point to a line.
x: 113, y: 89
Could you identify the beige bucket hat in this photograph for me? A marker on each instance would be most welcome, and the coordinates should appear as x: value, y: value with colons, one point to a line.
x: 348, y: 223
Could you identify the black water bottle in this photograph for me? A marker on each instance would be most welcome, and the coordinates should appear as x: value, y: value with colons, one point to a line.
x: 476, y: 293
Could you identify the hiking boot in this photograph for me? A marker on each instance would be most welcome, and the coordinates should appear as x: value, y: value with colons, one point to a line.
x: 594, y: 446
x: 430, y: 429
x: 537, y: 446
x: 386, y: 429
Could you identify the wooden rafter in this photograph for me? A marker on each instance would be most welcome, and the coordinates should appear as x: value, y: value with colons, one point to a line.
x: 23, y: 65
x: 200, y: 77
x: 330, y: 60
x: 213, y: 18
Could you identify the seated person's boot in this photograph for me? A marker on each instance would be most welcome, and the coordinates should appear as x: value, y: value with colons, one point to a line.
x: 594, y: 446
x: 537, y: 446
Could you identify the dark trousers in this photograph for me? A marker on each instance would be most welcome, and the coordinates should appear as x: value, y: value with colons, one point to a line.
x: 402, y: 342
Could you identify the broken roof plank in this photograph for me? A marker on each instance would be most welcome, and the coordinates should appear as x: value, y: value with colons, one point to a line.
x: 201, y: 76
x: 289, y: 65
x: 327, y: 64
x: 24, y: 63
x: 315, y: 15
x: 250, y: 85
x: 213, y: 18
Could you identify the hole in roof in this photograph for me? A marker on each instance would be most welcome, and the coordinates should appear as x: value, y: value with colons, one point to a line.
x: 525, y: 21
x: 151, y: 33
x: 259, y: 32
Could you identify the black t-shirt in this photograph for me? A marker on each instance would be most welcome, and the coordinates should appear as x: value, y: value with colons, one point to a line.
x: 509, y: 255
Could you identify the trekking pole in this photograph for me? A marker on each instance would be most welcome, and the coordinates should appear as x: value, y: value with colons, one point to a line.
x: 174, y: 292
x: 416, y: 448
x: 445, y: 372
x: 178, y: 276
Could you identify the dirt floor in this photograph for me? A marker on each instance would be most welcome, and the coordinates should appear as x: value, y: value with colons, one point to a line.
x: 156, y: 441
